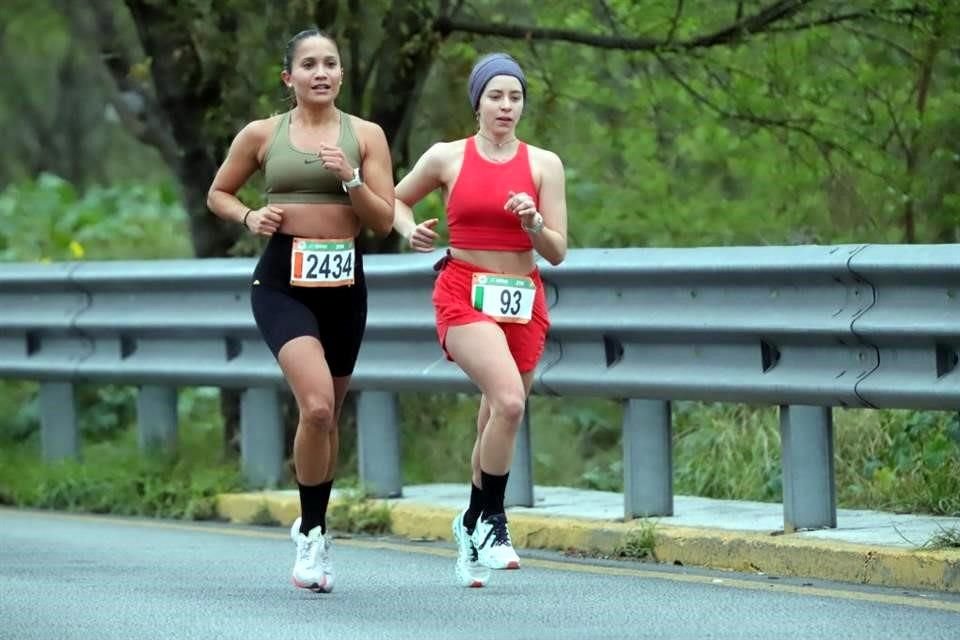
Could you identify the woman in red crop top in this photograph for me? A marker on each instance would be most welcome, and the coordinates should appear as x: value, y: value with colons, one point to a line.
x: 504, y: 201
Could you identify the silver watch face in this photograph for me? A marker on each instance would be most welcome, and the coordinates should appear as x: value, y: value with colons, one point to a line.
x: 355, y: 181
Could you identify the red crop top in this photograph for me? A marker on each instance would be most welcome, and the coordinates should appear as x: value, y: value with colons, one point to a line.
x: 475, y: 214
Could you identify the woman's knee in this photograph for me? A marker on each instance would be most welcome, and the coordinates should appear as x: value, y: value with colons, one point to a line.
x: 318, y: 413
x: 508, y: 405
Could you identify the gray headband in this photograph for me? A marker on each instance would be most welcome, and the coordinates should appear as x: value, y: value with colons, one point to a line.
x: 494, y: 64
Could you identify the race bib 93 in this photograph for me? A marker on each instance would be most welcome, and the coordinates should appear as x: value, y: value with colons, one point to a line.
x: 505, y: 298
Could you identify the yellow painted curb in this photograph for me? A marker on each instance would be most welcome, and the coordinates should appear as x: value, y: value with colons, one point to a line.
x: 781, y: 555
x: 259, y: 507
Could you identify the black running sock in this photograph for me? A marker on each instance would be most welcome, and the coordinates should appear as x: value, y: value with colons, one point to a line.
x: 313, y: 506
x: 475, y: 509
x: 494, y: 489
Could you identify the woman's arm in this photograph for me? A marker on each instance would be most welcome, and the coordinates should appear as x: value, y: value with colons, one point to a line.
x: 241, y: 163
x: 373, y: 200
x: 551, y: 241
x: 547, y: 227
x: 422, y: 179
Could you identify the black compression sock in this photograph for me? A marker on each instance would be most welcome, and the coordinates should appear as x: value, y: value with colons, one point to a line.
x: 313, y: 506
x: 494, y: 489
x: 475, y: 509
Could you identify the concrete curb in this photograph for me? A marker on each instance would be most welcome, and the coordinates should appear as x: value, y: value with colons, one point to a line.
x: 781, y: 555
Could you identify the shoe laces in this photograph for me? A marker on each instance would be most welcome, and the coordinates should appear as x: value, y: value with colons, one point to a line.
x: 467, y: 536
x: 501, y: 536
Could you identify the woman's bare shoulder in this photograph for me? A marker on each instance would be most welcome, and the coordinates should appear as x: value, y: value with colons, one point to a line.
x: 364, y: 127
x: 259, y: 131
x: 446, y: 151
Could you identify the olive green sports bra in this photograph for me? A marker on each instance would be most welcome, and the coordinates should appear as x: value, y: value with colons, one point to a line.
x: 292, y: 175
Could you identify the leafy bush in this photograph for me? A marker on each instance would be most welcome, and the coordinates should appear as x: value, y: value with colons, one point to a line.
x: 112, y: 476
x: 19, y: 411
x: 355, y: 512
x: 49, y: 220
x: 115, y: 480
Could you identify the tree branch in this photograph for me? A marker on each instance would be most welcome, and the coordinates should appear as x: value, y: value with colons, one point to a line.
x: 854, y: 16
x: 446, y: 25
x: 799, y: 126
x: 135, y: 106
x: 358, y: 71
x: 676, y: 21
x: 609, y: 16
x: 887, y: 42
x: 756, y: 23
x: 895, y: 127
x: 770, y: 19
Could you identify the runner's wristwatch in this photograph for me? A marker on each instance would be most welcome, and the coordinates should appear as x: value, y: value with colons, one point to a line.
x: 353, y: 182
x: 537, y: 225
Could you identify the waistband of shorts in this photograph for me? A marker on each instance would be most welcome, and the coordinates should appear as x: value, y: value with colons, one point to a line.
x: 449, y: 261
x: 284, y: 242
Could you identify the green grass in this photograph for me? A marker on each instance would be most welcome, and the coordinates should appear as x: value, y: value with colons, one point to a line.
x: 112, y: 476
x: 639, y: 543
x: 902, y: 461
x: 898, y: 460
x: 946, y: 538
x: 353, y: 511
x: 262, y: 517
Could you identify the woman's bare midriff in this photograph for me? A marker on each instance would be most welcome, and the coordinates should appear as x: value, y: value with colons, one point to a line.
x: 325, y: 221
x: 514, y: 262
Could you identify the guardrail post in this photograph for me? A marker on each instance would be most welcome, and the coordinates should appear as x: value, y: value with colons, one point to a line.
x: 58, y: 422
x: 647, y: 459
x: 809, y: 490
x: 261, y: 437
x: 378, y: 444
x: 520, y: 483
x: 157, y: 418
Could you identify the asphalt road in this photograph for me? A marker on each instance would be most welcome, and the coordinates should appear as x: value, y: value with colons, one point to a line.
x: 72, y: 576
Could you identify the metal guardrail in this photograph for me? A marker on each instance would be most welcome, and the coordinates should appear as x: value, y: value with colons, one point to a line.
x: 805, y: 328
x: 912, y: 326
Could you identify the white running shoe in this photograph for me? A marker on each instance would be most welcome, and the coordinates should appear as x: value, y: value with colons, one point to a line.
x: 492, y: 541
x: 470, y: 573
x: 312, y: 569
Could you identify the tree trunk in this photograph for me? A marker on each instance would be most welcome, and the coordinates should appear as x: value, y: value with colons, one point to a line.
x: 925, y: 75
x: 408, y: 51
x: 187, y: 94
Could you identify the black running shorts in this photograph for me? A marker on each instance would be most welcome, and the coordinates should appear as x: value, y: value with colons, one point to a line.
x: 336, y: 316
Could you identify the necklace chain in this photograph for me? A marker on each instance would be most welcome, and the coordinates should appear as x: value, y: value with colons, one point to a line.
x: 498, y: 145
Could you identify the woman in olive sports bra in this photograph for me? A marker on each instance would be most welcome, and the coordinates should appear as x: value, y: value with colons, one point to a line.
x: 327, y: 175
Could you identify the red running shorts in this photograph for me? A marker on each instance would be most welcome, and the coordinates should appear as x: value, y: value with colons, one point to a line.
x: 451, y: 302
